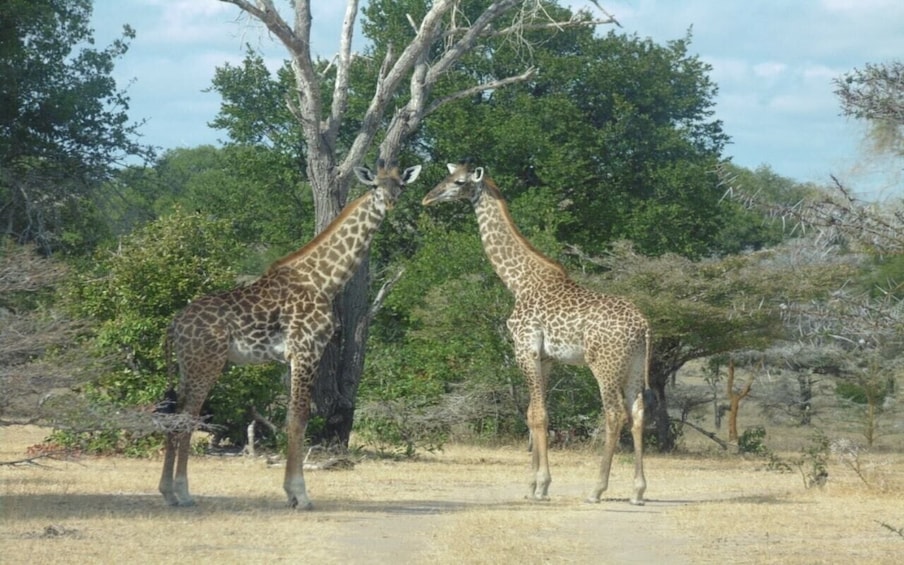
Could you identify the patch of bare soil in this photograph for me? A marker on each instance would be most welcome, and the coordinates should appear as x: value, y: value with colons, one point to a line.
x: 465, y: 505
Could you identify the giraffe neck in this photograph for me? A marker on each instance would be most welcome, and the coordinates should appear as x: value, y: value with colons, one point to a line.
x: 517, y: 262
x: 329, y: 260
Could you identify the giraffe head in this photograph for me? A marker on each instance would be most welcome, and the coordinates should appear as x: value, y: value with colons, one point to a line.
x: 463, y: 183
x: 387, y: 180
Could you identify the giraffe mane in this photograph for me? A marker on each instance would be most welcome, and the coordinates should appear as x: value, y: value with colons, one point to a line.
x: 493, y: 191
x: 318, y: 239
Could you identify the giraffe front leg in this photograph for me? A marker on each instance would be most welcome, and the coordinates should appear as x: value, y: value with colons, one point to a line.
x: 174, y: 479
x: 293, y: 483
x: 539, y: 431
x: 296, y: 423
x: 528, y: 346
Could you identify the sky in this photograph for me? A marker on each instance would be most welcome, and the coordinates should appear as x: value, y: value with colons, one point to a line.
x: 772, y: 60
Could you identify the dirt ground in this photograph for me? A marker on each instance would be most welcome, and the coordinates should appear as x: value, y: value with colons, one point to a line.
x: 463, y: 505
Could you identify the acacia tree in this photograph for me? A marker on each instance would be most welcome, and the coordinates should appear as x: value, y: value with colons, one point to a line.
x: 858, y: 326
x: 439, y: 34
x: 875, y: 93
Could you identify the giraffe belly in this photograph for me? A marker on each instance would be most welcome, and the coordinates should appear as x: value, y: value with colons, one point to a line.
x: 568, y: 353
x: 245, y: 352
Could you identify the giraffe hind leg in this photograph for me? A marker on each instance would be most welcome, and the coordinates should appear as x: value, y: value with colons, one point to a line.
x: 615, y: 419
x: 637, y: 422
x: 174, y: 478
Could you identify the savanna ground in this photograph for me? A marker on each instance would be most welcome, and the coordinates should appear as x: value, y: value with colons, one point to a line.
x: 462, y: 505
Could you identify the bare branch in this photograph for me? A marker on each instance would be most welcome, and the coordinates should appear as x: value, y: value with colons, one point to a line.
x: 525, y: 76
x: 343, y: 68
x: 23, y: 270
x: 378, y: 301
x: 297, y: 41
x: 53, y: 455
x: 561, y: 26
x: 835, y: 216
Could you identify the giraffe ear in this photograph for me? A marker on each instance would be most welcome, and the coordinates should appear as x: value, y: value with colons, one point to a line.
x: 477, y: 175
x: 452, y: 167
x: 410, y: 174
x: 365, y: 176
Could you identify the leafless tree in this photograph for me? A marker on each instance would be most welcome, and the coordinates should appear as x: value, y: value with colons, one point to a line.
x: 441, y: 37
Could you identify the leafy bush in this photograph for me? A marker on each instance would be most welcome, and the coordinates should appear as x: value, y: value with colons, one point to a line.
x: 752, y: 441
x: 133, y: 292
x: 400, y: 428
x: 107, y: 442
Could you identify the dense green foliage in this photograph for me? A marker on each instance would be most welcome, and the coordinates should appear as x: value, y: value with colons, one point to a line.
x: 63, y: 123
x: 133, y: 292
x: 258, y: 191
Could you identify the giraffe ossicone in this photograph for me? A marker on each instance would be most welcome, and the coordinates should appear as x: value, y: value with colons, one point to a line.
x: 556, y: 320
x: 286, y: 316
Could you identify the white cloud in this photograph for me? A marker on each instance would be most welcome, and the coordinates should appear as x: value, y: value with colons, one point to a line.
x: 821, y: 73
x: 191, y: 21
x: 769, y: 70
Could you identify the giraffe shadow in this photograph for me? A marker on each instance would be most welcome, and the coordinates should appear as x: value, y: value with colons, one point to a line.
x: 62, y: 506
x: 33, y: 506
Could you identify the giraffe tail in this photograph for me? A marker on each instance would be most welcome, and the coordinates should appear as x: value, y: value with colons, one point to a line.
x: 649, y: 396
x: 170, y: 397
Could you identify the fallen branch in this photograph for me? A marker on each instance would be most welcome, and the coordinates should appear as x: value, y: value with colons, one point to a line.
x: 32, y: 460
x: 889, y: 527
x: 722, y: 443
x: 331, y: 463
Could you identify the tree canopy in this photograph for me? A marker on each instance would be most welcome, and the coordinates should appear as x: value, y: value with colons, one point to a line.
x: 63, y: 122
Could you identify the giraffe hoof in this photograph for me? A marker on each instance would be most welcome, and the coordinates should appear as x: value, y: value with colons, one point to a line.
x: 592, y: 500
x: 637, y: 502
x: 302, y: 505
x: 185, y: 503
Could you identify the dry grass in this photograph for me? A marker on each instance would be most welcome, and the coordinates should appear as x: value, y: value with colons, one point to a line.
x: 464, y: 505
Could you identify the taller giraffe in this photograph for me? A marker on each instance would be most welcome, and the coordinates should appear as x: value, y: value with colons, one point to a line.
x: 286, y: 315
x: 554, y: 319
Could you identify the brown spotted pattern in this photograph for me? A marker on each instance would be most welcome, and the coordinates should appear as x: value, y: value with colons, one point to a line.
x: 555, y: 319
x: 285, y: 316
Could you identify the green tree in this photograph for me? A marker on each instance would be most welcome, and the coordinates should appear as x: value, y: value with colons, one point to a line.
x: 617, y: 130
x: 63, y: 123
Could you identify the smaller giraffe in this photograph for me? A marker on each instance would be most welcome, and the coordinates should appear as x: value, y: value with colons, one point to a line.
x: 555, y: 319
x: 286, y: 316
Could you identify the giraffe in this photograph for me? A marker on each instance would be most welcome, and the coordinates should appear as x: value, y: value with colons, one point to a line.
x: 555, y: 319
x: 286, y: 315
